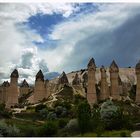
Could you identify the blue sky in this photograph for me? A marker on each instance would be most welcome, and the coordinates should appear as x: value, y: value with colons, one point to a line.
x: 43, y: 23
x: 58, y: 37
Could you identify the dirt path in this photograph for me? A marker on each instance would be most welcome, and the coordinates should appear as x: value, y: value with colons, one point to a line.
x: 37, y: 121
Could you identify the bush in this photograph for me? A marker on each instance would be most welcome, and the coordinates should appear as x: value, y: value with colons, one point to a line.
x: 72, y: 126
x: 66, y: 94
x: 65, y: 104
x: 44, y: 113
x: 84, y: 116
x: 8, y: 131
x: 49, y: 129
x: 78, y: 99
x: 29, y: 131
x: 4, y: 113
x: 62, y: 123
x: 51, y: 116
x: 29, y: 115
x: 97, y: 125
x: 113, y: 116
x: 123, y: 134
x: 60, y: 111
x: 39, y: 107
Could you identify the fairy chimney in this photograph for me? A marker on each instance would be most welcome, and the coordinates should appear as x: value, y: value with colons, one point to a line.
x: 40, y: 87
x: 76, y: 80
x: 114, y: 75
x: 137, y: 69
x: 5, y: 89
x: 104, y: 93
x: 24, y: 88
x: 91, y: 89
x: 63, y: 79
x: 12, y: 95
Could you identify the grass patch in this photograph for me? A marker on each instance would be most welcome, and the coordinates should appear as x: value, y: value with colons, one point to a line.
x: 26, y: 127
x: 113, y: 133
x: 29, y: 116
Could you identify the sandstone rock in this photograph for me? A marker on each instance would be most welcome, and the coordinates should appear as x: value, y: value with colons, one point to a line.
x: 40, y: 76
x: 137, y: 68
x: 14, y: 74
x: 24, y: 84
x: 63, y: 79
x: 91, y: 89
x: 114, y: 75
x: 76, y: 80
x: 104, y: 93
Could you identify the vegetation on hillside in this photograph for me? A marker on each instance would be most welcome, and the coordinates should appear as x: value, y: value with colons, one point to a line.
x: 71, y: 115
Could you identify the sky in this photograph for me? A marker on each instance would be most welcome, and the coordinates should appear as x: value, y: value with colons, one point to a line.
x: 57, y: 37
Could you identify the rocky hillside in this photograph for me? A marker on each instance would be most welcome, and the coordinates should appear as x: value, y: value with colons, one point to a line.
x: 127, y: 75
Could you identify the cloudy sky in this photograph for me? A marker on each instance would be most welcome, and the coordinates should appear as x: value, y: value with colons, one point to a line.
x: 58, y: 37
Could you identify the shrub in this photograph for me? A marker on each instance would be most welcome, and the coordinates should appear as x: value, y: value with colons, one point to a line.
x: 84, y: 116
x: 8, y: 131
x: 113, y: 116
x: 78, y: 98
x: 44, y: 113
x: 4, y: 113
x: 49, y: 129
x: 66, y: 94
x: 123, y: 134
x: 65, y: 104
x: 96, y: 122
x: 39, y: 107
x: 60, y: 111
x: 72, y: 126
x: 29, y: 131
x: 51, y: 116
x: 62, y: 123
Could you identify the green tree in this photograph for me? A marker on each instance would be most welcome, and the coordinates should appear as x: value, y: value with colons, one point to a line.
x: 49, y: 129
x: 39, y: 107
x: 8, y: 130
x: 4, y: 113
x: 113, y: 116
x: 97, y: 125
x: 84, y: 115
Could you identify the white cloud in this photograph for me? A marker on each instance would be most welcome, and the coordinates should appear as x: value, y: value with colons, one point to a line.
x: 70, y: 33
x: 16, y: 39
x: 78, y: 38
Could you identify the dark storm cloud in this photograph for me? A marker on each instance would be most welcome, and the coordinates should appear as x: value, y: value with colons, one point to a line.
x: 121, y: 44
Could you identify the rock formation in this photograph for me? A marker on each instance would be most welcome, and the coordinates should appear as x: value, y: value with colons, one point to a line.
x: 63, y: 79
x: 137, y: 69
x: 104, y: 92
x: 114, y: 75
x: 13, y: 92
x: 40, y: 90
x: 91, y: 89
x: 24, y: 88
x: 4, y: 89
x: 85, y: 77
x: 76, y: 80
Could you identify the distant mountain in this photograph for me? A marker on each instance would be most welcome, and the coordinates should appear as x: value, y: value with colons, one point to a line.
x: 51, y: 75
